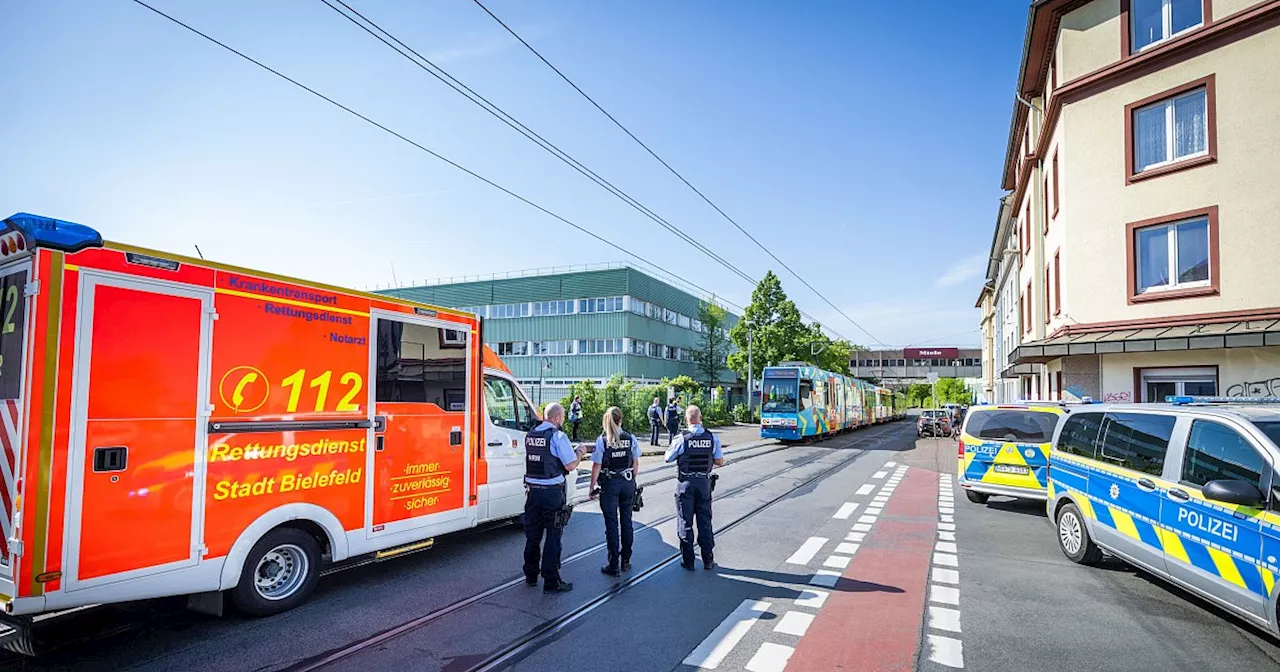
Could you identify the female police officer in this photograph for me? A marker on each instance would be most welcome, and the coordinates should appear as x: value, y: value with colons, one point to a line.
x: 615, y: 465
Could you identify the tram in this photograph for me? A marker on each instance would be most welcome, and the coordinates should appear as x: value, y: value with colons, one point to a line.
x: 800, y: 401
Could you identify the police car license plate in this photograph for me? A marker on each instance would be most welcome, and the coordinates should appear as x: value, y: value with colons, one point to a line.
x: 1009, y: 468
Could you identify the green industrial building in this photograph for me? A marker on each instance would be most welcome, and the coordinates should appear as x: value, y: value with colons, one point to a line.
x: 556, y: 328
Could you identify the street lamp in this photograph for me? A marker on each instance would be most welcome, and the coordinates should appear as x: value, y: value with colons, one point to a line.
x: 542, y: 377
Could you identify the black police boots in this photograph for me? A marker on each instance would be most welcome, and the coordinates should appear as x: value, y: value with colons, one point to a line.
x: 562, y: 587
x: 611, y: 570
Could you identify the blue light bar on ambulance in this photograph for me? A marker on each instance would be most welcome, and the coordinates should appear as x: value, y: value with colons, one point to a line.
x: 54, y: 234
x: 1183, y: 400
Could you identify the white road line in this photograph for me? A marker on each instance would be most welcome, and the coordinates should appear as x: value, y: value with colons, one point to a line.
x: 847, y: 549
x: 948, y: 519
x: 943, y: 618
x: 771, y: 658
x: 946, y: 536
x: 947, y: 511
x: 890, y: 464
x: 946, y: 651
x: 947, y: 526
x: 946, y: 547
x: 945, y: 560
x: 812, y: 599
x: 880, y: 474
x: 845, y: 510
x: 712, y: 651
x: 807, y: 550
x: 824, y: 577
x: 941, y: 575
x: 873, y: 511
x: 837, y: 561
x: 866, y: 489
x: 794, y: 623
x: 861, y: 527
x: 944, y: 594
x: 866, y: 520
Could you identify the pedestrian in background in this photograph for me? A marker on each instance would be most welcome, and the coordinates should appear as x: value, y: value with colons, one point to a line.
x: 695, y: 454
x: 548, y: 457
x: 673, y: 420
x: 616, y: 466
x: 575, y: 416
x: 655, y: 422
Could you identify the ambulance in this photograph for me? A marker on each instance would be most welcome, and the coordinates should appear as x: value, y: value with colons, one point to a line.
x: 172, y: 426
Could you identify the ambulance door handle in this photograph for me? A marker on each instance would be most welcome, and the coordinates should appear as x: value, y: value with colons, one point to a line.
x: 378, y: 443
x: 1179, y: 494
x: 494, y: 444
x: 1147, y: 484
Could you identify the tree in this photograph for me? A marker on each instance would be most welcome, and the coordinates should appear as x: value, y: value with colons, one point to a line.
x: 834, y: 355
x: 713, y: 343
x: 953, y: 391
x: 919, y: 393
x: 779, y: 334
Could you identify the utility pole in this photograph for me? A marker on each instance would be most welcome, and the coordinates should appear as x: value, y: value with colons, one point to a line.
x: 751, y: 376
x: 542, y: 378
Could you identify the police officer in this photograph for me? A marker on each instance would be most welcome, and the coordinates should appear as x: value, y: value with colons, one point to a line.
x: 655, y: 421
x: 548, y: 456
x: 695, y: 453
x: 673, y: 420
x: 616, y: 465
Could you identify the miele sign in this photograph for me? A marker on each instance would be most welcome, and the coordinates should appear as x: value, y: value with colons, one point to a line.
x: 931, y: 353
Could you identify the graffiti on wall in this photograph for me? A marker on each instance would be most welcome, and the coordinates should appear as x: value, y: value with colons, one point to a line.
x: 1269, y: 387
x: 1117, y: 396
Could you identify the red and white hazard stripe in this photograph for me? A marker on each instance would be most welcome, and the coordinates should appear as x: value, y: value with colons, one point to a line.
x: 9, y: 437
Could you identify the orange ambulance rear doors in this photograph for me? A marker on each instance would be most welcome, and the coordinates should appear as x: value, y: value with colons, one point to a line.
x: 139, y: 412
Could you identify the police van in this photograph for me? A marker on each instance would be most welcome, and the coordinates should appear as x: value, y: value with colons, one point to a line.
x: 1004, y: 449
x: 1186, y: 490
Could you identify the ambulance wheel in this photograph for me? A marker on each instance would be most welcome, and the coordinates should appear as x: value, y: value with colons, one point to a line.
x: 977, y: 497
x: 279, y: 573
x: 1073, y: 537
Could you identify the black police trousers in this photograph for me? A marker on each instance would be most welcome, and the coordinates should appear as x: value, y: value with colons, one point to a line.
x: 540, y: 507
x: 616, y: 496
x: 693, y: 503
x: 655, y: 430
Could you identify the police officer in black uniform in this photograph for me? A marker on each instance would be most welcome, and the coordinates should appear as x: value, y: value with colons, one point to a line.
x: 548, y: 457
x: 673, y: 420
x: 695, y: 452
x: 655, y: 422
x: 616, y: 465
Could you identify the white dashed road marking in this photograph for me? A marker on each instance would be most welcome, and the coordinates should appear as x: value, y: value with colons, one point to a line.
x: 794, y: 623
x: 770, y: 658
x: 824, y: 577
x: 807, y: 550
x: 944, y: 618
x: 946, y: 651
x: 712, y: 651
x: 880, y: 474
x: 866, y: 489
x: 845, y: 510
x: 837, y: 561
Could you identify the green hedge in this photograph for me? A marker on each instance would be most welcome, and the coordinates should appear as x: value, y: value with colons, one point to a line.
x: 634, y: 402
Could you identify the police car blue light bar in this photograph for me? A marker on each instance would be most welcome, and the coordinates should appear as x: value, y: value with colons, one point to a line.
x: 1183, y: 400
x: 53, y: 233
x: 1043, y: 402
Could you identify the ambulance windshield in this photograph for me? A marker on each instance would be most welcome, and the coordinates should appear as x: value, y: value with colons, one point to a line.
x: 13, y: 315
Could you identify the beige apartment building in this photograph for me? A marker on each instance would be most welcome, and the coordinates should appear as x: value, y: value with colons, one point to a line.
x: 1144, y: 187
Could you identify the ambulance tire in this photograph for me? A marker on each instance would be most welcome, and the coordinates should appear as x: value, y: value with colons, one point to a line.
x: 287, y: 552
x: 1074, y: 534
x: 977, y: 497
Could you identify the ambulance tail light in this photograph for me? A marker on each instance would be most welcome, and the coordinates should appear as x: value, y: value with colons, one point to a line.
x: 24, y: 230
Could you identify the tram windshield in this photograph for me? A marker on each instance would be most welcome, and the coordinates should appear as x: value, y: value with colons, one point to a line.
x: 779, y: 395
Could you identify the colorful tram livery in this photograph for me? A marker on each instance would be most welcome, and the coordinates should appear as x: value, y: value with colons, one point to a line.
x: 179, y: 427
x: 800, y: 401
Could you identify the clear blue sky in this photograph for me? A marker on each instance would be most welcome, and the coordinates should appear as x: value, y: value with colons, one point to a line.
x: 861, y: 141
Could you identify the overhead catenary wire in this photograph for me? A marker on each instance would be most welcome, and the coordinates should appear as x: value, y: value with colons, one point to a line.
x: 673, y: 171
x: 416, y: 144
x: 381, y: 34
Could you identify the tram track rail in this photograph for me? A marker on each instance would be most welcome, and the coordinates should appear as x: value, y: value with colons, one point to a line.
x: 532, y: 640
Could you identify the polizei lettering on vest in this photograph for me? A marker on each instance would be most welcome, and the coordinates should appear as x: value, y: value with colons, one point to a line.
x: 1215, y: 526
x: 700, y: 443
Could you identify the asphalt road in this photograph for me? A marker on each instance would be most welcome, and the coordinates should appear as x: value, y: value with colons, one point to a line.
x: 793, y: 587
x: 1025, y: 607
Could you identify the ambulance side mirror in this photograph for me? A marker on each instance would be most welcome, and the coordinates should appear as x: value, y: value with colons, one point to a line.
x: 1233, y: 492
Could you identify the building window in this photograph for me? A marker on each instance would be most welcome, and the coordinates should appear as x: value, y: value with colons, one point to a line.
x: 1057, y: 198
x: 695, y: 325
x: 552, y: 347
x: 1174, y: 257
x: 639, y: 307
x: 639, y: 347
x: 553, y: 308
x: 600, y: 346
x: 1047, y: 316
x: 655, y: 350
x: 513, y: 349
x: 684, y: 321
x: 668, y: 316
x: 1154, y: 21
x: 510, y: 310
x: 1154, y: 384
x: 608, y: 304
x: 1171, y: 131
x: 1026, y: 230
x: 1057, y: 282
